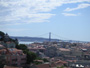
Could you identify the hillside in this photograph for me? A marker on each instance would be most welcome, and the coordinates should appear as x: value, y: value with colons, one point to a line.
x: 33, y: 39
x: 40, y: 39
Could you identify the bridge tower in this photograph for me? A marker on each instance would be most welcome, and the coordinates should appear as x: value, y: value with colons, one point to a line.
x: 49, y: 36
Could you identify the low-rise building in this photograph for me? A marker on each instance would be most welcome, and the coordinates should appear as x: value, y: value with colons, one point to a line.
x: 13, y: 56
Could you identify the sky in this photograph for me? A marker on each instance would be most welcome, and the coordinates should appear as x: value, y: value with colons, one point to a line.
x: 65, y: 19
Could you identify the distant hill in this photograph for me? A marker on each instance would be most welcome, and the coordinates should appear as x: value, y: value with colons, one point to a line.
x: 40, y: 39
x: 33, y: 39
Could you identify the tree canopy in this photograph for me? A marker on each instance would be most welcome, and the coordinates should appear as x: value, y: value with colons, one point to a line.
x: 30, y: 55
x: 2, y: 34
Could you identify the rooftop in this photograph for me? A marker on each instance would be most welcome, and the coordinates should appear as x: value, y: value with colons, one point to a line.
x: 64, y: 49
x: 11, y: 67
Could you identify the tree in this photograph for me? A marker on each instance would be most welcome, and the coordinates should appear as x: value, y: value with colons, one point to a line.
x: 30, y: 57
x: 61, y: 67
x: 2, y: 35
x: 2, y: 64
x: 45, y: 60
x: 74, y: 44
x: 2, y: 61
x: 37, y: 62
x: 5, y: 37
x: 22, y: 47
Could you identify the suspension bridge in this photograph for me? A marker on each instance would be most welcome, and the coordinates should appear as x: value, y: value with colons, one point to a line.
x: 51, y: 35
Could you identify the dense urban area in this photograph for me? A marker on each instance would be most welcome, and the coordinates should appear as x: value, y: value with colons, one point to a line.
x: 48, y: 54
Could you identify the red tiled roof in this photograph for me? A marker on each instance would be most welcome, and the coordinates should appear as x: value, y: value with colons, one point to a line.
x: 11, y: 67
x: 12, y: 50
x: 43, y: 66
x: 53, y: 65
x: 36, y: 48
x: 64, y: 49
x: 71, y: 60
x: 39, y: 60
x: 60, y: 61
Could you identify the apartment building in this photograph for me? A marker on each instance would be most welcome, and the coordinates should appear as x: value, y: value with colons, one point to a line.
x: 13, y: 57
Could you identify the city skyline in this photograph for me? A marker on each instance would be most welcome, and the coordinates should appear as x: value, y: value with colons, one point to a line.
x: 67, y: 18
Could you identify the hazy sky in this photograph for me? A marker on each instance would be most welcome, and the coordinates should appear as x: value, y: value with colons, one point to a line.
x: 70, y: 19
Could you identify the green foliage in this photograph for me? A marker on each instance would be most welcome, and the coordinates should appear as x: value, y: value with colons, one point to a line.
x: 74, y: 44
x: 61, y: 67
x: 58, y: 67
x: 45, y: 60
x: 5, y: 39
x: 17, y: 46
x: 38, y: 58
x: 22, y: 47
x: 2, y: 63
x: 36, y: 62
x: 2, y: 34
x: 30, y: 57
